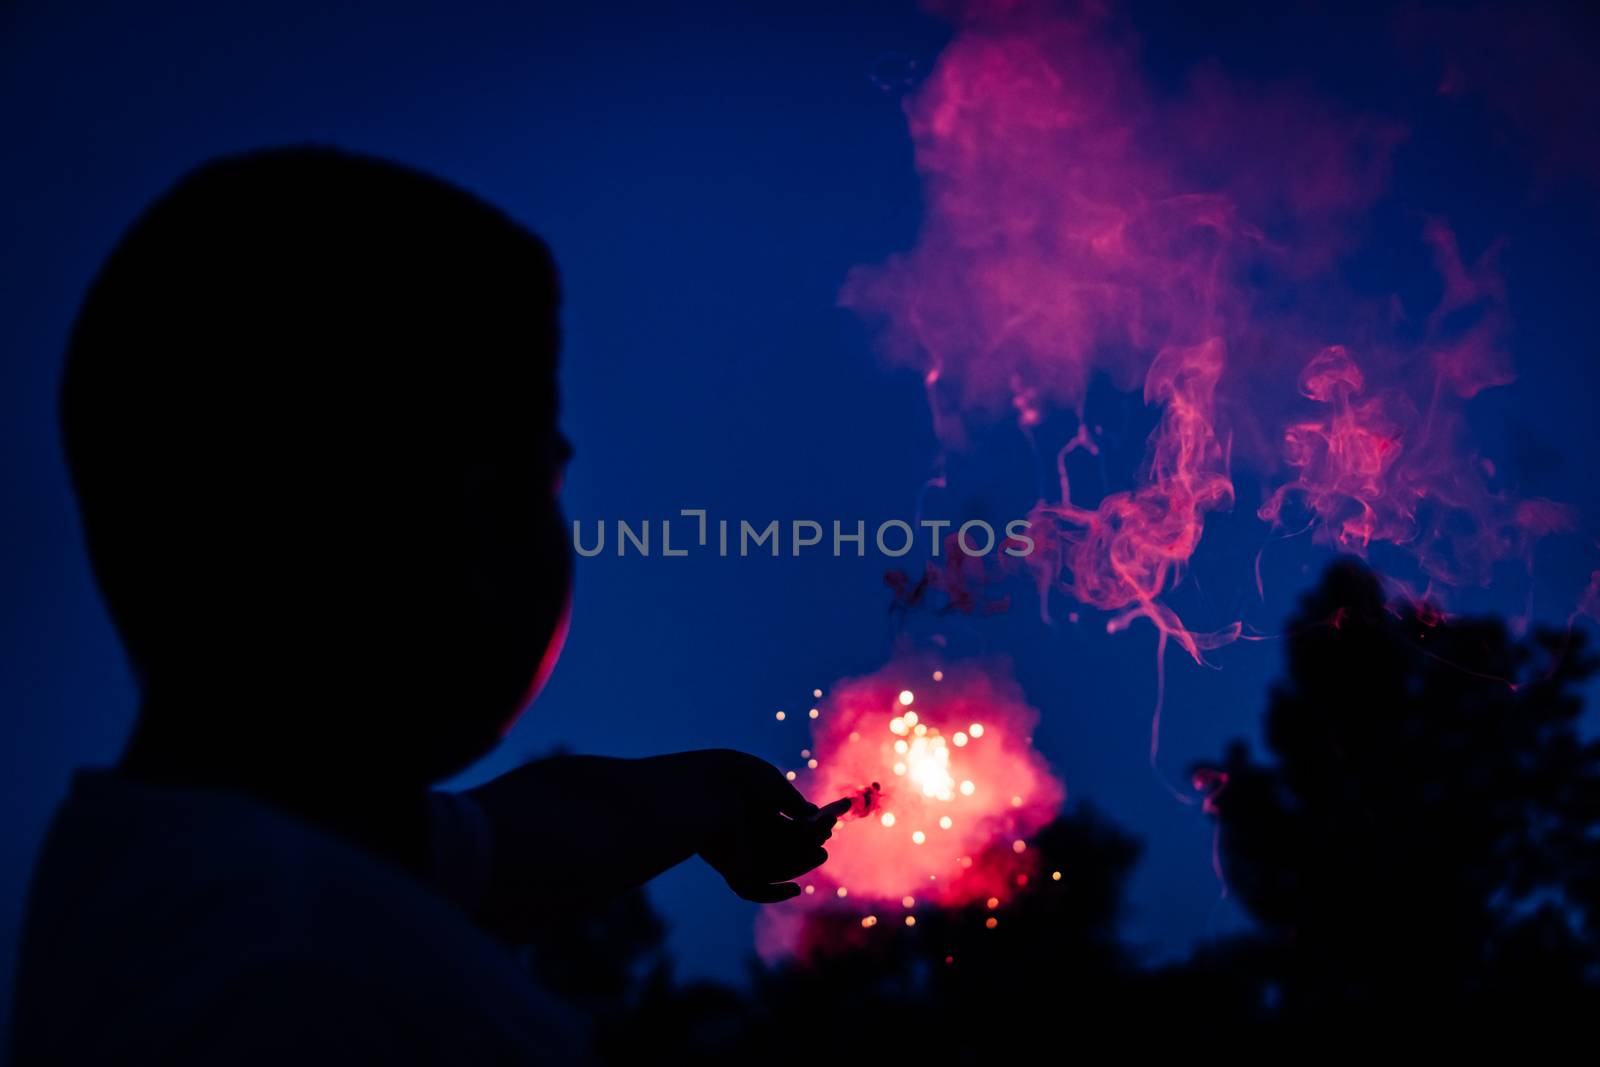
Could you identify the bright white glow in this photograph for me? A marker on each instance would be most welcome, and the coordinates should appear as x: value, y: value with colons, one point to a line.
x: 929, y: 767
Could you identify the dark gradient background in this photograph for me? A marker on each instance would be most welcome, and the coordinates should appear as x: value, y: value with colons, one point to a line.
x: 706, y: 176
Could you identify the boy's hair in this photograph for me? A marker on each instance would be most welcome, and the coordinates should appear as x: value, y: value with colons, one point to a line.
x: 275, y: 391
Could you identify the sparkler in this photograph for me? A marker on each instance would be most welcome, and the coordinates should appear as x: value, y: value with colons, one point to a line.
x: 945, y: 787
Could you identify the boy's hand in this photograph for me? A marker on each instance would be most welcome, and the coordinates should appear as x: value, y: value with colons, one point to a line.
x: 761, y: 832
x: 569, y: 832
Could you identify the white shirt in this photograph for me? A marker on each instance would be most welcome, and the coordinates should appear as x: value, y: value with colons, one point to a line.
x: 177, y: 926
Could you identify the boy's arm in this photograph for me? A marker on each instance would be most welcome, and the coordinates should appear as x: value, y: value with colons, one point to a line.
x: 571, y: 832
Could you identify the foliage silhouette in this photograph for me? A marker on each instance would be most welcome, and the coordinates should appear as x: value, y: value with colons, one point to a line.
x: 1424, y: 843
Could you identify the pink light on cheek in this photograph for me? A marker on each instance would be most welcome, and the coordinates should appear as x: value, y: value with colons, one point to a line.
x: 547, y: 662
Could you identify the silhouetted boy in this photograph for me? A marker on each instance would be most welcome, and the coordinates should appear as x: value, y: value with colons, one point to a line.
x: 310, y: 413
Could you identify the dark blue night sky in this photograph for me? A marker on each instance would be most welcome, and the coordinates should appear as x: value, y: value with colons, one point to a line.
x: 706, y: 177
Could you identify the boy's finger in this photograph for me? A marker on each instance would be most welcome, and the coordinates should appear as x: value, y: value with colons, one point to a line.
x: 822, y: 823
x: 835, y: 810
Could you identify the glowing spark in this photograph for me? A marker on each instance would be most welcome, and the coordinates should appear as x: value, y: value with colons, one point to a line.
x: 992, y: 903
x: 842, y: 892
x: 911, y: 920
x: 1019, y: 847
x: 928, y: 763
x: 992, y: 922
x: 1055, y: 876
x: 811, y: 764
x: 780, y: 716
x: 976, y: 729
x: 869, y: 922
x: 810, y: 889
x: 813, y: 713
x: 816, y: 692
x: 790, y: 776
x: 934, y: 816
x: 906, y: 697
x: 959, y: 739
x: 938, y: 676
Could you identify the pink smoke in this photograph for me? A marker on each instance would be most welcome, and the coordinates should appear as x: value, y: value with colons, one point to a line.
x: 1080, y: 223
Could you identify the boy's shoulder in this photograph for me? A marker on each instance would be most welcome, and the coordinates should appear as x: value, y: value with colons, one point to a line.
x: 161, y: 918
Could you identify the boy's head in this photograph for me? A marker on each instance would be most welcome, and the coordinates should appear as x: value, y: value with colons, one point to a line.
x: 310, y: 414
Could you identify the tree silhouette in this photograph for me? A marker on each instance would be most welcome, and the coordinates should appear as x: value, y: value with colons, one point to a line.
x: 1424, y: 843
